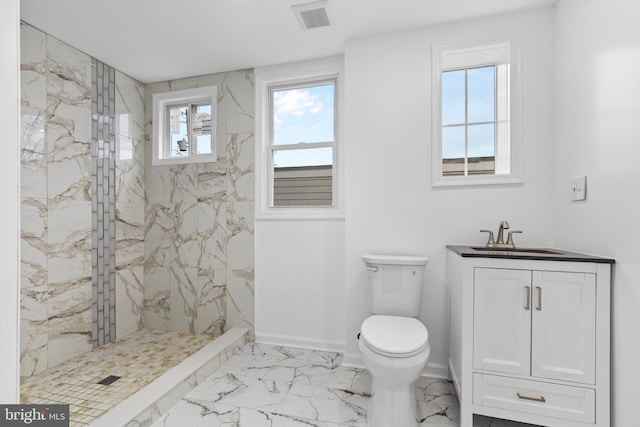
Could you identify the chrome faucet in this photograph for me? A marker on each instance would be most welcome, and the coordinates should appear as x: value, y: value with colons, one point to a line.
x: 504, y: 225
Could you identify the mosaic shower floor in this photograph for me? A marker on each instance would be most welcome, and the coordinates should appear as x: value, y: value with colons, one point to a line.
x: 267, y: 386
x: 138, y: 359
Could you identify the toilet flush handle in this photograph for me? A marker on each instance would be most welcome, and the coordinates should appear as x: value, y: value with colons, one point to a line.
x: 372, y: 268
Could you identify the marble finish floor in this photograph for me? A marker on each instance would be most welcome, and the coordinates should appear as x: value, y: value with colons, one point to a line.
x: 268, y: 386
x: 138, y: 359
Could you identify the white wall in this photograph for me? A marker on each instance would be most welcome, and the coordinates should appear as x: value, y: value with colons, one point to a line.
x: 10, y: 223
x: 390, y: 204
x: 598, y: 126
x: 299, y: 283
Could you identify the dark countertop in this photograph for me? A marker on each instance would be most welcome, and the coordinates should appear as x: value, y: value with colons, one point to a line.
x: 543, y: 254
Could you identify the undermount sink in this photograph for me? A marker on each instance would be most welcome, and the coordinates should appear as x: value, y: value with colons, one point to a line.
x: 516, y: 250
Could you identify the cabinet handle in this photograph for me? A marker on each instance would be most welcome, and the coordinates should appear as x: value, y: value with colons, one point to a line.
x: 535, y: 399
x: 539, y: 307
x: 528, y: 306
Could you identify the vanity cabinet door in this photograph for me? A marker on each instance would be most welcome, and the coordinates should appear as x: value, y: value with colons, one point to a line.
x: 502, y: 320
x: 563, y: 332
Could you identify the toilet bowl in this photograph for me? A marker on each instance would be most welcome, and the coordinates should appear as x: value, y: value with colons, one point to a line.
x: 393, y: 343
x: 395, y: 350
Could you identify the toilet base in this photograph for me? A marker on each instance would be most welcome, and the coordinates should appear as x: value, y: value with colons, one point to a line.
x: 392, y: 407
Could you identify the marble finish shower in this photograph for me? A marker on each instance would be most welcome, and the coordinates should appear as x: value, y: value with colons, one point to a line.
x: 109, y: 246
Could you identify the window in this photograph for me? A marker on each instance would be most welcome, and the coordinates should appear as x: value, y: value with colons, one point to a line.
x: 302, y: 143
x: 468, y: 121
x: 476, y: 119
x: 298, y: 144
x: 184, y: 126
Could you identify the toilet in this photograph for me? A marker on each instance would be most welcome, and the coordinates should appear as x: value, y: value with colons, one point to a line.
x: 393, y: 343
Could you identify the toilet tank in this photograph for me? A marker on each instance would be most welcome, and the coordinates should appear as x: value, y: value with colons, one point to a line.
x: 395, y: 284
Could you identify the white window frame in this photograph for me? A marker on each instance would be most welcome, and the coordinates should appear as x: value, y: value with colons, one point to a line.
x: 300, y: 73
x: 506, y: 56
x: 162, y: 139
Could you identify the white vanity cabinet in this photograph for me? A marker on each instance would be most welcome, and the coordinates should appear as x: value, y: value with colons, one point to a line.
x: 529, y: 336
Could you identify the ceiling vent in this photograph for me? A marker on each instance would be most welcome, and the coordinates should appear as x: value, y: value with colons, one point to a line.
x: 312, y: 15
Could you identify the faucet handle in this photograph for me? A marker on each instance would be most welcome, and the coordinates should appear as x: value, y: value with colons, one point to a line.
x: 510, y: 238
x: 490, y: 242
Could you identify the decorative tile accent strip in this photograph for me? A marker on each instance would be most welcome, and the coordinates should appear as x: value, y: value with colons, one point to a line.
x: 103, y: 204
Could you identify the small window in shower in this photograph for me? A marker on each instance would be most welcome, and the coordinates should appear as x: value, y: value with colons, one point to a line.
x: 184, y: 126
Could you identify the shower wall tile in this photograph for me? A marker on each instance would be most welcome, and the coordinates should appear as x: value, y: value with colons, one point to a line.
x: 68, y: 159
x: 182, y: 300
x: 211, y: 304
x: 56, y: 202
x: 129, y: 235
x: 212, y: 235
x: 129, y: 107
x: 199, y: 217
x: 157, y: 290
x: 159, y: 248
x: 241, y: 181
x: 240, y: 297
x: 34, y: 241
x: 69, y: 224
x: 34, y: 330
x: 240, y: 101
x: 33, y: 67
x: 34, y: 340
x: 33, y: 96
x: 130, y: 203
x: 211, y: 181
x: 185, y: 234
x: 240, y: 223
x: 69, y: 325
x: 33, y: 154
x: 66, y: 339
x: 171, y: 184
x: 56, y: 237
x: 129, y: 171
x: 69, y: 82
x: 129, y: 299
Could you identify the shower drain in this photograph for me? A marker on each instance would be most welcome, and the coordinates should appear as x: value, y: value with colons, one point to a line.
x: 109, y: 380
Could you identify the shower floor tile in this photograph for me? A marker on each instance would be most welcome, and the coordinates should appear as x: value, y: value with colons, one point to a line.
x: 138, y: 359
x: 275, y: 386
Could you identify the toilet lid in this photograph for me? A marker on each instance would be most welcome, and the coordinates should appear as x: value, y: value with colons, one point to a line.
x: 394, y: 335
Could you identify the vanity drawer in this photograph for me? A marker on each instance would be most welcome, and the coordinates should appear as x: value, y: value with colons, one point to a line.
x: 535, y: 397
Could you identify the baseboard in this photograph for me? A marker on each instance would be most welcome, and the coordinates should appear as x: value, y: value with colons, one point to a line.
x: 454, y: 378
x: 300, y: 342
x: 432, y: 370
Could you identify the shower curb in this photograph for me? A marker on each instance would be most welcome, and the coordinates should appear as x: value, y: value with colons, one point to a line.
x: 148, y: 404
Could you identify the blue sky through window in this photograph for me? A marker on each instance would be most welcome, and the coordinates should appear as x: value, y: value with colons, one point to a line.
x: 468, y: 99
x: 302, y: 116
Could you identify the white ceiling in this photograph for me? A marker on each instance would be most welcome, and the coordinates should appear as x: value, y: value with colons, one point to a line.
x: 156, y: 40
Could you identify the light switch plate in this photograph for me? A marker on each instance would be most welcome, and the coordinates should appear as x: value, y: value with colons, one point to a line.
x: 579, y: 188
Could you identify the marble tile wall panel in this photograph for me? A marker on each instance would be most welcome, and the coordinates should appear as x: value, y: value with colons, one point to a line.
x: 68, y: 131
x: 69, y: 82
x: 33, y: 76
x: 240, y: 300
x: 201, y: 216
x: 56, y: 124
x: 33, y: 202
x: 130, y: 204
x: 157, y: 291
x: 211, y: 303
x: 129, y: 299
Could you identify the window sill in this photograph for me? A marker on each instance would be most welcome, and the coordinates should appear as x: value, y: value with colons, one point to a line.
x: 461, y: 181
x: 184, y: 160
x: 277, y: 214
